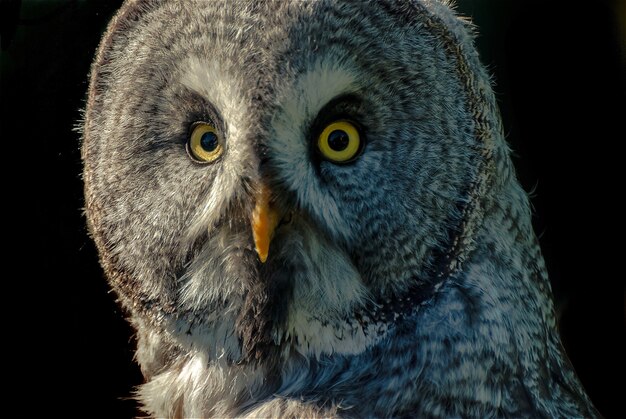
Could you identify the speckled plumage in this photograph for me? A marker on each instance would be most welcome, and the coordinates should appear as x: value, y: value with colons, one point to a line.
x: 407, y: 283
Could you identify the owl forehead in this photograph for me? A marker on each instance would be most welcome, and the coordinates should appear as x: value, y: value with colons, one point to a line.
x: 288, y: 107
x: 255, y: 52
x: 257, y: 58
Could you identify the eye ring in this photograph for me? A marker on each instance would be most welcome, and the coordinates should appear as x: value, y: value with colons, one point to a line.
x: 340, y: 142
x: 204, y: 144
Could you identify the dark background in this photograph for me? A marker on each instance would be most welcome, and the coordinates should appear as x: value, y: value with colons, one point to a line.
x: 559, y: 77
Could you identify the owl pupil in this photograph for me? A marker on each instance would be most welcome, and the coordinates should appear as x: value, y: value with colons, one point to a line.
x: 338, y: 140
x: 209, y: 141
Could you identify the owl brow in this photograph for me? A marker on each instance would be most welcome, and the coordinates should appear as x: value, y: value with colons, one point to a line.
x: 202, y: 110
x: 344, y: 106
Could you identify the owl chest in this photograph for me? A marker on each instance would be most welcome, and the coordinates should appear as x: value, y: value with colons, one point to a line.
x: 387, y: 381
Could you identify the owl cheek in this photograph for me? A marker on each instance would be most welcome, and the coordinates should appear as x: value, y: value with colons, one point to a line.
x: 335, y: 205
x: 331, y: 222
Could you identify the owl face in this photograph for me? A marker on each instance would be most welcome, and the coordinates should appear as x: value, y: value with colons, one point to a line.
x: 256, y: 173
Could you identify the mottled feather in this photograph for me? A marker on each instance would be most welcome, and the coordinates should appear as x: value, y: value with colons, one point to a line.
x: 406, y: 283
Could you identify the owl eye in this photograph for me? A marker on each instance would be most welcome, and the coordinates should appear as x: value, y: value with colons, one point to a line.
x: 204, y: 144
x: 339, y: 142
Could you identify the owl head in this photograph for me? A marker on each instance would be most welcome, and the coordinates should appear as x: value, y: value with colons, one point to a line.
x: 270, y: 178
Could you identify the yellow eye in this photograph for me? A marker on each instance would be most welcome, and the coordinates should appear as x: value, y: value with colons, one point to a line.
x: 340, y: 142
x: 204, y: 144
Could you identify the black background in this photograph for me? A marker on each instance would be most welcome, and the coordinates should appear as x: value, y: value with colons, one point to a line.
x: 559, y: 77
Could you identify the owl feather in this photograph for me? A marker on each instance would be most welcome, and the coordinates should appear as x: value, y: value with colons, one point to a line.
x: 308, y: 209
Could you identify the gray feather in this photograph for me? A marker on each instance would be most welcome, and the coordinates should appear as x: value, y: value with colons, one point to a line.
x: 408, y: 282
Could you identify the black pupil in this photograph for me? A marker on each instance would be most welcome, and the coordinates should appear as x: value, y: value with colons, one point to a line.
x: 209, y: 141
x: 338, y: 140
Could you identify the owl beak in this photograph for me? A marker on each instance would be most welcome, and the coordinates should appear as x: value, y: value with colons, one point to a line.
x: 264, y: 220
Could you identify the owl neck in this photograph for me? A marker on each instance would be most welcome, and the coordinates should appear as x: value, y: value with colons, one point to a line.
x: 491, y: 323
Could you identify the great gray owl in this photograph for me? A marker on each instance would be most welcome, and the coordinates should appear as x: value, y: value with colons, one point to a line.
x: 309, y: 209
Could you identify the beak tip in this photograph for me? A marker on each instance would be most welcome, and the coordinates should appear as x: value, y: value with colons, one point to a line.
x: 265, y: 219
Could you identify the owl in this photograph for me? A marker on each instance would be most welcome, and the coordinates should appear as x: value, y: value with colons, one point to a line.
x: 308, y: 209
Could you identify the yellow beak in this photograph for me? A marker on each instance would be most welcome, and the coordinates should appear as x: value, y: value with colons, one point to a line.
x: 265, y: 218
